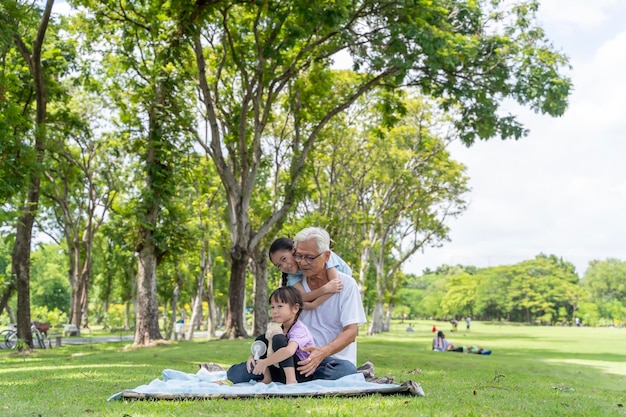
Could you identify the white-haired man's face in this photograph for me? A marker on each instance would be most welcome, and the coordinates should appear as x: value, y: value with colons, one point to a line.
x: 310, y: 259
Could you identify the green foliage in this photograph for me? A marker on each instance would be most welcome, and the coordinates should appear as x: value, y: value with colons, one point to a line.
x: 401, y: 312
x: 5, y: 261
x: 544, y: 290
x: 114, y: 262
x: 410, y: 299
x: 19, y: 22
x: 115, y: 317
x: 270, y: 96
x: 52, y: 294
x: 460, y: 298
x: 49, y: 279
x: 589, y: 313
x: 55, y: 317
x: 606, y: 280
x: 17, y: 156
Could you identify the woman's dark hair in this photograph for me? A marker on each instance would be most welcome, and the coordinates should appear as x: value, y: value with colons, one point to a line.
x: 288, y: 295
x: 282, y: 243
x: 440, y: 334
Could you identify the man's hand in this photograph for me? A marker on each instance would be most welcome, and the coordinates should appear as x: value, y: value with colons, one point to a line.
x: 309, y: 365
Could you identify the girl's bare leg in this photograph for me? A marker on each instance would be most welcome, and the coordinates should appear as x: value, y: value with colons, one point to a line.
x: 290, y: 375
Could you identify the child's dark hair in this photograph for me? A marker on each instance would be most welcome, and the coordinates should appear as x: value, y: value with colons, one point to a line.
x: 288, y: 295
x: 282, y: 243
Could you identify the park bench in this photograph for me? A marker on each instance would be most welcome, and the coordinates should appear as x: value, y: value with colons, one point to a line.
x: 70, y: 330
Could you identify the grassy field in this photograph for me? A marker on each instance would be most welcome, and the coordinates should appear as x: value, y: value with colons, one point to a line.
x: 533, y: 371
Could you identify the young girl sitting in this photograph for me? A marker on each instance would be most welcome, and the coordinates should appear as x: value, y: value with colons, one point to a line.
x: 281, y: 255
x: 286, y: 305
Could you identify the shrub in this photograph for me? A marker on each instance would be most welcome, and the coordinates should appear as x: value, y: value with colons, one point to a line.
x: 56, y: 317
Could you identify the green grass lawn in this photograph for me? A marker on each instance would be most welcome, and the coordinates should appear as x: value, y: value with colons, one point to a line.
x: 533, y: 371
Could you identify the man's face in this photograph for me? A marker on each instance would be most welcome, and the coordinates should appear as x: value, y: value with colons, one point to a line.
x: 311, y: 260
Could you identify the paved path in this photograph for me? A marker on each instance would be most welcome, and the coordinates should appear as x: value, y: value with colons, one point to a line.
x: 126, y: 337
x: 86, y: 340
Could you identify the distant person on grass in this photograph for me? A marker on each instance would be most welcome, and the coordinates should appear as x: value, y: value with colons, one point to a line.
x: 470, y: 349
x: 455, y: 325
x: 440, y: 343
x: 334, y: 324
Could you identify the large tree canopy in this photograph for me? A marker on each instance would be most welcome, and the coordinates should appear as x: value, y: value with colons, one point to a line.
x: 263, y: 74
x: 260, y: 61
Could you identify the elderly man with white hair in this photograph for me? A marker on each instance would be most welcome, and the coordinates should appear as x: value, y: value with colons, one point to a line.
x: 334, y: 324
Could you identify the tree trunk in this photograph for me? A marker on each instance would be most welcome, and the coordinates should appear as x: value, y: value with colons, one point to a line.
x: 78, y: 292
x: 82, y: 280
x: 363, y: 270
x: 21, y: 270
x: 387, y: 321
x: 81, y: 273
x: 235, y: 321
x: 8, y: 292
x: 20, y: 263
x: 205, y: 266
x: 378, y: 314
x: 84, y: 297
x: 157, y: 176
x: 259, y: 271
x: 126, y: 325
x: 72, y: 250
x: 212, y: 319
x: 173, y: 312
x: 147, y: 322
x: 196, y: 312
x: 131, y: 297
x: 376, y: 326
x: 11, y: 315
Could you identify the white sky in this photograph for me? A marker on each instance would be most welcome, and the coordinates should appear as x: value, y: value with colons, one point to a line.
x: 562, y: 189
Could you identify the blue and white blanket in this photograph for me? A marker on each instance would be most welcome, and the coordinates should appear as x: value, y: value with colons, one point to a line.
x: 204, y: 385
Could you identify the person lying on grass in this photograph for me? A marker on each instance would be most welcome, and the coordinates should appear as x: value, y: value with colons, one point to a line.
x: 470, y: 349
x: 441, y: 344
x: 281, y: 255
x: 286, y: 305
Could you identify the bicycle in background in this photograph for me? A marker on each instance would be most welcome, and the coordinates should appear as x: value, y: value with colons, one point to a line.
x: 39, y: 331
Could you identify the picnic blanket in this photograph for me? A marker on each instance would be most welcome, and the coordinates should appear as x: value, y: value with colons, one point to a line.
x: 177, y: 385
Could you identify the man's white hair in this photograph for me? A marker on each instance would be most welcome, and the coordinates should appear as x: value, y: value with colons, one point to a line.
x: 319, y: 235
